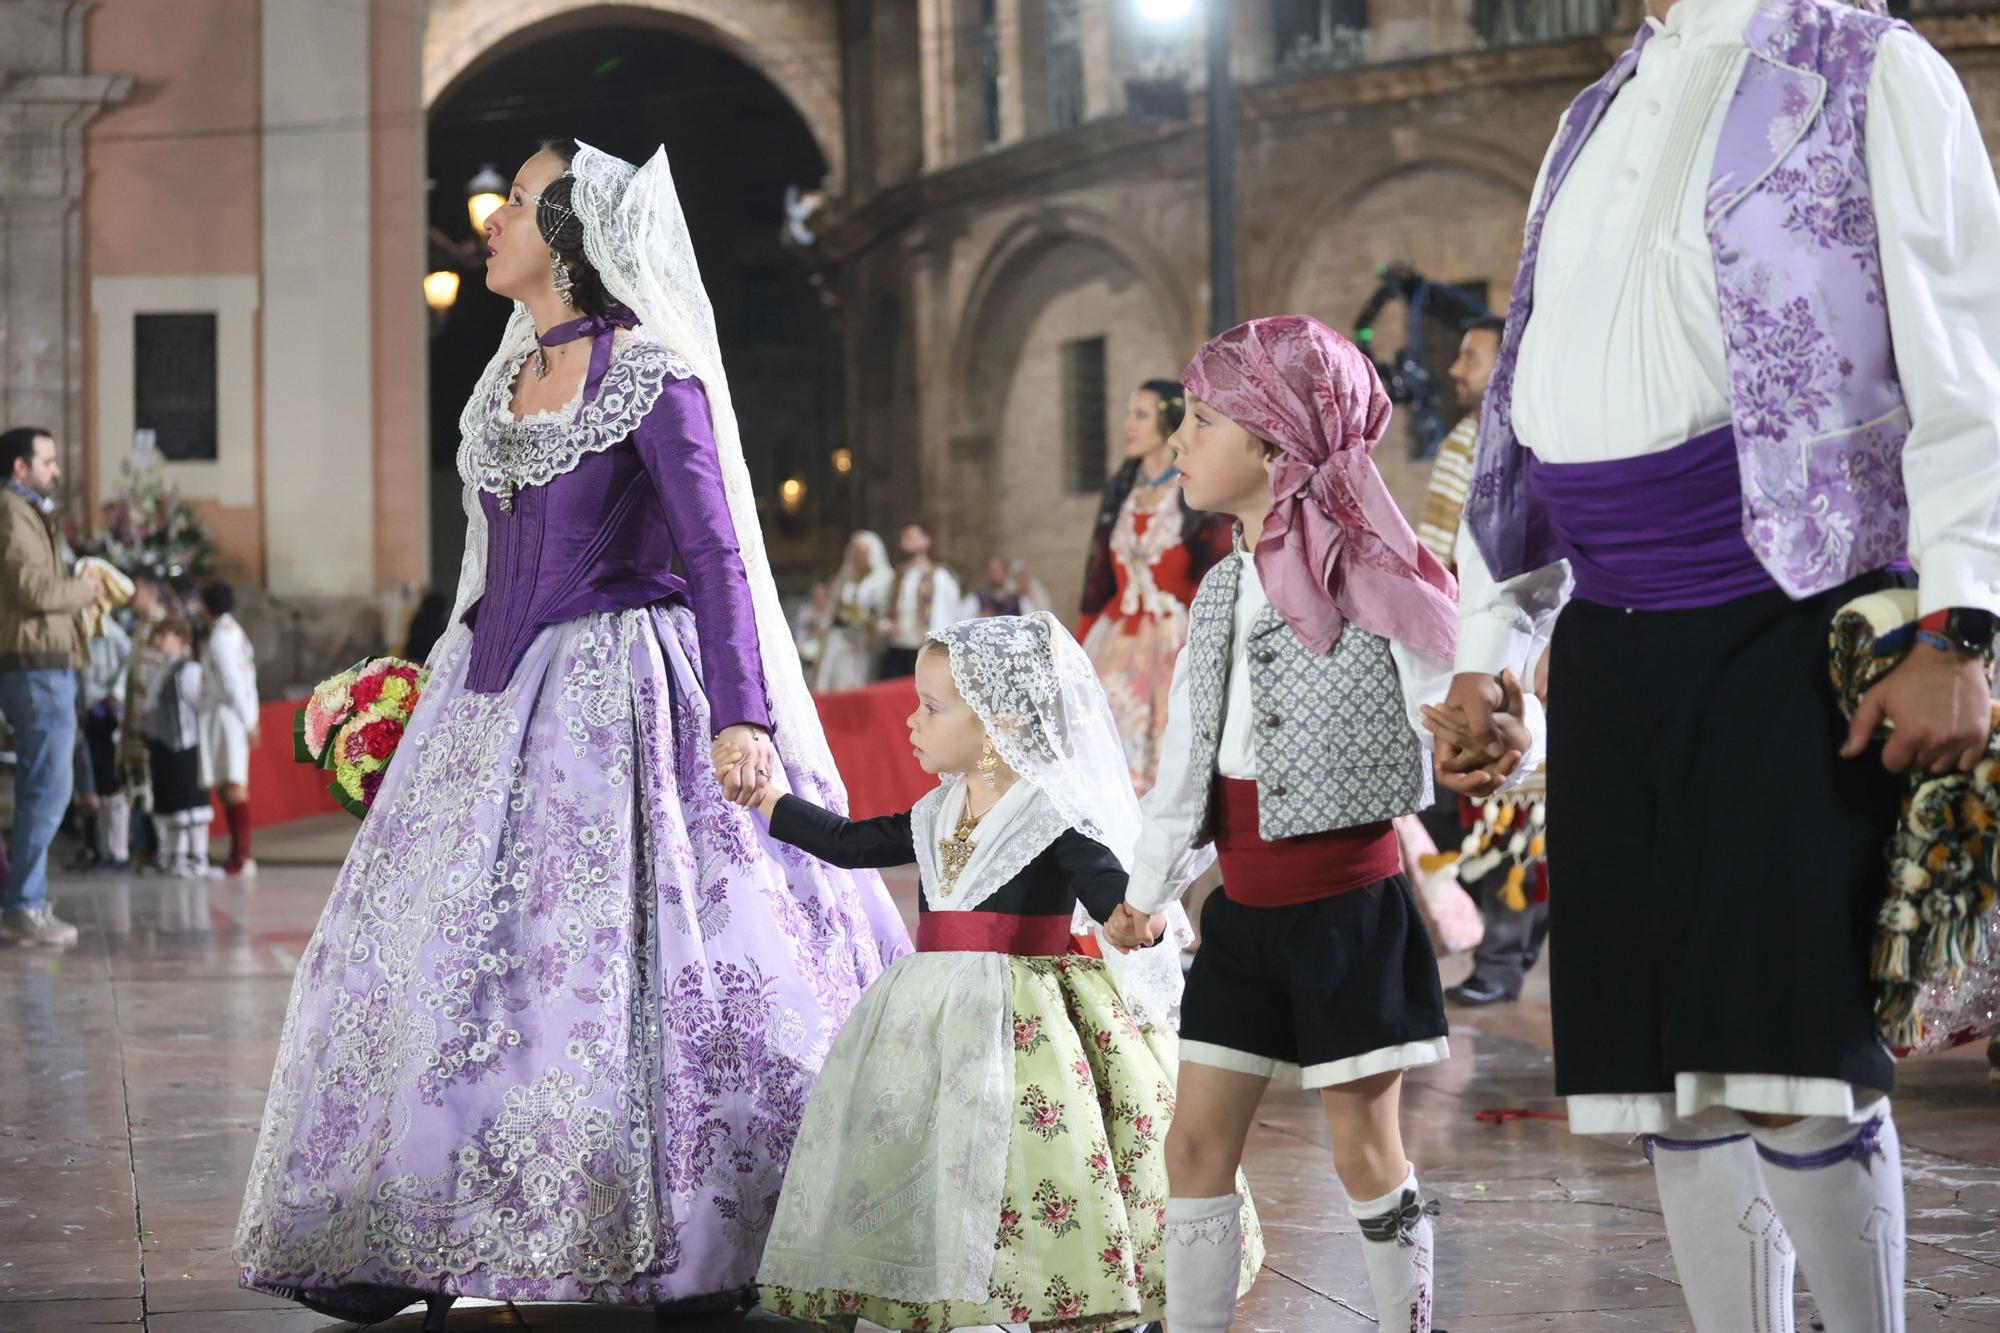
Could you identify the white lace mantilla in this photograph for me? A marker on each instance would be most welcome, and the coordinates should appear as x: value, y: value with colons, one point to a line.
x: 513, y: 453
x: 1038, y: 696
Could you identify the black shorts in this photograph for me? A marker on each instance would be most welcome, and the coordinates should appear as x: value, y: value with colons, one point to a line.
x: 1727, y: 928
x: 100, y: 743
x: 1318, y: 994
x: 177, y: 785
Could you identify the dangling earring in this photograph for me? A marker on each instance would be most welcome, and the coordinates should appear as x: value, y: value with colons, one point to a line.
x: 989, y: 764
x: 565, y: 280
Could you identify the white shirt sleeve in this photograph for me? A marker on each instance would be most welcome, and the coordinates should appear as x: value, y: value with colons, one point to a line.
x: 1937, y: 211
x: 1163, y: 864
x: 1425, y: 680
x: 1501, y: 622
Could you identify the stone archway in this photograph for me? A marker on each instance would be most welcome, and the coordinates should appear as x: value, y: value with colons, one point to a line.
x: 795, y: 46
x: 626, y: 87
x: 1003, y: 292
x: 1489, y: 173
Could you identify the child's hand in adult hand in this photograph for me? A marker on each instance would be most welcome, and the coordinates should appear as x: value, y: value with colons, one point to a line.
x: 728, y: 759
x: 1481, y: 732
x: 725, y: 757
x: 1512, y: 720
x: 1130, y: 929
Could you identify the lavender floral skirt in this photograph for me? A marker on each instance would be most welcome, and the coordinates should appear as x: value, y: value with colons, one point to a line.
x: 554, y: 1035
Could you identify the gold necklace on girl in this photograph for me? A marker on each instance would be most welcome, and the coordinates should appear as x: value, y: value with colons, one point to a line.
x: 955, y: 852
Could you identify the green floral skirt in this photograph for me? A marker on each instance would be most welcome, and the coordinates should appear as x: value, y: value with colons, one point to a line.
x: 899, y: 1148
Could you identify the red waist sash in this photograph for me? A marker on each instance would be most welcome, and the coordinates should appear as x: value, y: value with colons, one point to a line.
x: 1304, y: 869
x: 993, y: 932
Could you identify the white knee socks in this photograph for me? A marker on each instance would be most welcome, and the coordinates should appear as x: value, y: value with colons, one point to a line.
x: 1204, y: 1254
x: 184, y: 845
x: 1398, y: 1246
x: 1732, y: 1254
x: 117, y: 816
x: 1839, y: 1187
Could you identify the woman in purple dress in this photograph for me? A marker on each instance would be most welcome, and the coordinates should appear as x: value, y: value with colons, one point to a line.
x: 555, y: 1032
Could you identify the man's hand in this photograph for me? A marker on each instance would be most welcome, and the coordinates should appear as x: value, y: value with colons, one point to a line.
x: 96, y: 582
x: 1938, y: 706
x: 1481, y: 735
x: 1130, y: 929
x: 756, y: 760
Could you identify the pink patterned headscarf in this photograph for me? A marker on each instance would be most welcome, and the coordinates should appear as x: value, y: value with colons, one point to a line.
x: 1335, y: 548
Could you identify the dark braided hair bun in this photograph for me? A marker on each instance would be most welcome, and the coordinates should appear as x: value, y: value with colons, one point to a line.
x: 562, y: 229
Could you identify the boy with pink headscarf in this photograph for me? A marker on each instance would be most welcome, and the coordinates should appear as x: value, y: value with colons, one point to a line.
x: 1295, y: 737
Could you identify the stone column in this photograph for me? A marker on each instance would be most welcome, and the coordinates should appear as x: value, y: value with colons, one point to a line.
x: 1023, y: 89
x: 1103, y: 71
x: 318, y: 330
x: 47, y: 96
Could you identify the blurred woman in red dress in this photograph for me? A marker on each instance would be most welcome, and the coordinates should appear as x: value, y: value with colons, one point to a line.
x: 1147, y: 555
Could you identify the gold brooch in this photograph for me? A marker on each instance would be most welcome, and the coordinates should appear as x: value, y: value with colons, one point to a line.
x: 955, y: 853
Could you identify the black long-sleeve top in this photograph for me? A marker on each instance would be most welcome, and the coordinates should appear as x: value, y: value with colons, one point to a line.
x: 1071, y: 869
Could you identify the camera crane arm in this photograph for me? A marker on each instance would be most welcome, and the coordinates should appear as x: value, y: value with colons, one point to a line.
x: 1406, y: 377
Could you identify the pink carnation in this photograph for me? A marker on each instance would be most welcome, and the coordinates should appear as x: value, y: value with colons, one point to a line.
x: 353, y: 744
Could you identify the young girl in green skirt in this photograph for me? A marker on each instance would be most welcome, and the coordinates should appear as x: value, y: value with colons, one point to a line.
x: 984, y: 1145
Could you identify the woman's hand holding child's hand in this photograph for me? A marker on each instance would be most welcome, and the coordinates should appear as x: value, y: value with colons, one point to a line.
x: 726, y: 757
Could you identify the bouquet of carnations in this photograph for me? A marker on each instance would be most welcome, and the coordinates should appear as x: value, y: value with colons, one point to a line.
x: 353, y: 723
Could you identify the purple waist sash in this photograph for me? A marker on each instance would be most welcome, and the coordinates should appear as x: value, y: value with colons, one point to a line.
x: 1661, y: 532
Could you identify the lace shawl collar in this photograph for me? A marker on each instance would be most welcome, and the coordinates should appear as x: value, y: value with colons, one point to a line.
x: 512, y: 454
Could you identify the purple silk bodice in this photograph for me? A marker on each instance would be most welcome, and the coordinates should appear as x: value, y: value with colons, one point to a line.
x: 591, y: 513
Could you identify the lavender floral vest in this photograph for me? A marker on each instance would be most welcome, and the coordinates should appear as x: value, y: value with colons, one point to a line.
x: 1818, y: 410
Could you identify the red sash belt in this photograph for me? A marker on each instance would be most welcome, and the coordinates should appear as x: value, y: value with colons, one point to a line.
x: 1257, y: 873
x: 993, y: 932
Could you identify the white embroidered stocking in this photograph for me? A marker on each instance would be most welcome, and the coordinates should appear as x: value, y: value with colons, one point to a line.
x: 1203, y: 1248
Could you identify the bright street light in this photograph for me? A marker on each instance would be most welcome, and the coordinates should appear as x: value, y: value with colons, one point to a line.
x: 484, y: 193
x: 440, y: 290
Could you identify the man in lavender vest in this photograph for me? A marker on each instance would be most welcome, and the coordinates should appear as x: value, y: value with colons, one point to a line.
x: 1751, y: 371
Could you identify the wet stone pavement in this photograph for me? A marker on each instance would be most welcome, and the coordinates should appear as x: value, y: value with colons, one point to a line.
x: 133, y: 1067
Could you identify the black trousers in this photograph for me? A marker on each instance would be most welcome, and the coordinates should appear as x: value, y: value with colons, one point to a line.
x: 1717, y: 867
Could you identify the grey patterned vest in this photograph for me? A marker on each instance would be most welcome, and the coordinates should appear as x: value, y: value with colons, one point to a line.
x: 1334, y: 745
